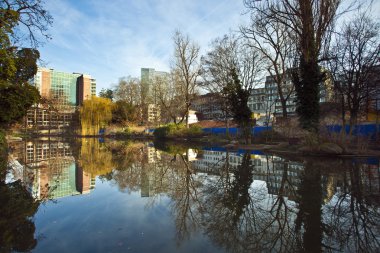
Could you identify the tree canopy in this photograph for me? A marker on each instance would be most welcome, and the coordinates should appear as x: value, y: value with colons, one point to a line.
x: 20, y: 21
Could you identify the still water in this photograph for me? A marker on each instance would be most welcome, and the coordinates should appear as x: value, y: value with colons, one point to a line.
x: 91, y: 196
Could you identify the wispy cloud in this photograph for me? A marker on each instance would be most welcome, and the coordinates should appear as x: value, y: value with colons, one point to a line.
x: 110, y: 39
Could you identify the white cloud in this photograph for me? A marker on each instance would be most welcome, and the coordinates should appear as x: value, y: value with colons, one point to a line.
x: 111, y: 39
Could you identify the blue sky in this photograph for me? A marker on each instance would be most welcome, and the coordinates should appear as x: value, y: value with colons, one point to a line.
x: 115, y: 38
x: 109, y: 39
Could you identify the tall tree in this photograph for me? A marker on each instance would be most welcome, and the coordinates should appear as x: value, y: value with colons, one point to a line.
x: 237, y: 98
x: 186, y: 64
x: 22, y: 22
x: 310, y: 21
x: 32, y: 19
x: 273, y: 41
x: 169, y: 98
x: 355, y: 64
x: 230, y: 53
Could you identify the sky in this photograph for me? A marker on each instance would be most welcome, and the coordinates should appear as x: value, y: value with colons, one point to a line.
x: 109, y: 39
x: 116, y: 38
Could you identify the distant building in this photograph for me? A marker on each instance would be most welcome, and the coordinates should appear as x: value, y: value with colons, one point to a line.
x: 151, y: 83
x: 266, y: 101
x: 154, y: 113
x: 258, y: 103
x: 208, y: 107
x: 64, y: 88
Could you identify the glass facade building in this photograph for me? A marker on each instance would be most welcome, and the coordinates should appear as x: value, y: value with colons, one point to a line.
x: 66, y: 89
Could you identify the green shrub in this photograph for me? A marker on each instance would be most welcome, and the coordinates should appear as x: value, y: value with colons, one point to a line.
x: 177, y: 130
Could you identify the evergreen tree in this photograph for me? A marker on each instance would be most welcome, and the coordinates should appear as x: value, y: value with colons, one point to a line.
x: 237, y: 98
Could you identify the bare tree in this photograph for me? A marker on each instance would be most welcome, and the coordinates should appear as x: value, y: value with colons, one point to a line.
x: 129, y: 90
x: 355, y: 56
x: 169, y: 97
x: 186, y: 64
x: 230, y: 54
x: 311, y: 22
x: 216, y: 66
x: 274, y: 42
x: 32, y: 20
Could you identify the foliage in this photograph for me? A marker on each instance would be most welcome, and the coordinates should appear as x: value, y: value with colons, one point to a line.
x: 15, y: 101
x: 95, y: 114
x: 173, y: 130
x: 237, y: 98
x: 106, y: 93
x: 306, y: 81
x: 124, y: 112
x: 3, y: 154
x: 19, y: 19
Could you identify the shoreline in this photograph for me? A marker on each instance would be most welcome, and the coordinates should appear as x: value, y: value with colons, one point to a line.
x: 280, y: 148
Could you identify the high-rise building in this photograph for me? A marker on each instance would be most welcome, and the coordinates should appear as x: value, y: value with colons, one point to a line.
x: 64, y: 88
x: 151, y: 83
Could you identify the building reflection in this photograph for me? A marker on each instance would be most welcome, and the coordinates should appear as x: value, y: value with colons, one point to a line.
x: 245, y: 201
x: 49, y: 170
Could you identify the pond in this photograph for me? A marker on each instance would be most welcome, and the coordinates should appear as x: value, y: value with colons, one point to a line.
x: 92, y: 195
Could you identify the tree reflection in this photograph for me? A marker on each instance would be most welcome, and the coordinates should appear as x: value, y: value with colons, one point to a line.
x: 16, y: 225
x: 353, y: 214
x: 271, y: 205
x: 128, y: 161
x: 186, y: 197
x: 94, y: 157
x: 310, y: 212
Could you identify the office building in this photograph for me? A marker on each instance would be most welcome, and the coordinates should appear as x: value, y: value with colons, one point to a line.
x: 62, y: 92
x: 151, y: 82
x: 64, y: 88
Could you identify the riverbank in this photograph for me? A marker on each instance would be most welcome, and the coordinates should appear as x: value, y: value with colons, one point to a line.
x: 277, y: 145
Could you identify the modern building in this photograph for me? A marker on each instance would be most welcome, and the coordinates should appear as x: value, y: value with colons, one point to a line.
x: 151, y: 82
x: 266, y: 100
x: 257, y: 103
x: 62, y: 92
x: 64, y: 88
x: 154, y: 113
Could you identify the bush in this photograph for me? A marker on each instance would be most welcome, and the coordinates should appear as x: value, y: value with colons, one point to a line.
x: 177, y: 130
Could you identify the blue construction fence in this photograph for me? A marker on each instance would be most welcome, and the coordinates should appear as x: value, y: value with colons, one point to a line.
x: 234, y: 130
x: 364, y: 130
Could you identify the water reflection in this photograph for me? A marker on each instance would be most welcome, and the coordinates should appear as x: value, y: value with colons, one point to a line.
x: 244, y: 201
